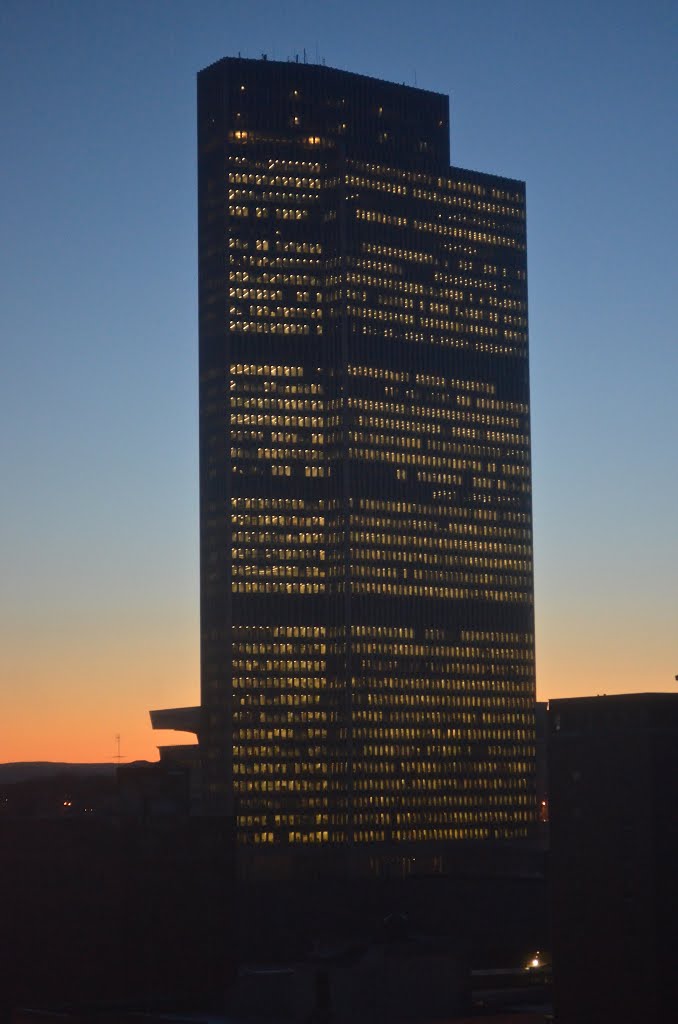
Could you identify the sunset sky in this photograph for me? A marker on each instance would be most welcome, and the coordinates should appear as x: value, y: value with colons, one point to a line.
x: 98, y: 326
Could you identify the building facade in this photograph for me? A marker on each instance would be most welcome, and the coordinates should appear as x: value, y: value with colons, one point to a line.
x: 613, y: 793
x: 366, y: 539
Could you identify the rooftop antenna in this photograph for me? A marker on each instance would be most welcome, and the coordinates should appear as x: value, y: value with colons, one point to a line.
x: 118, y: 756
x: 304, y: 55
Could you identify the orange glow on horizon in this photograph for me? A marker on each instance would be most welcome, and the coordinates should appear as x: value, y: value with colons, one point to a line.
x: 86, y: 682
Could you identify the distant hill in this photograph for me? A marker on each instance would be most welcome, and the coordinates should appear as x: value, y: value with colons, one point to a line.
x: 20, y: 771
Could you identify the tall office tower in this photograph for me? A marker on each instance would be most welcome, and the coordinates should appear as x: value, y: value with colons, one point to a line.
x: 366, y: 541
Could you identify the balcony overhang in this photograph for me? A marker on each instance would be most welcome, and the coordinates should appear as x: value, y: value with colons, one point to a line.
x: 178, y: 719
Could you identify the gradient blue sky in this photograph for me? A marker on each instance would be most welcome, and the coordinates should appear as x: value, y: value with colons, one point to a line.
x: 98, y: 389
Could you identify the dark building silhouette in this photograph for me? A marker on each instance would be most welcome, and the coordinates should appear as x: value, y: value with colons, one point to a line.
x: 613, y: 778
x: 366, y: 537
x: 113, y: 895
x: 541, y: 728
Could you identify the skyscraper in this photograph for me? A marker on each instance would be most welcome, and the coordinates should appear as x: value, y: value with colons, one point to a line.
x: 366, y: 541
